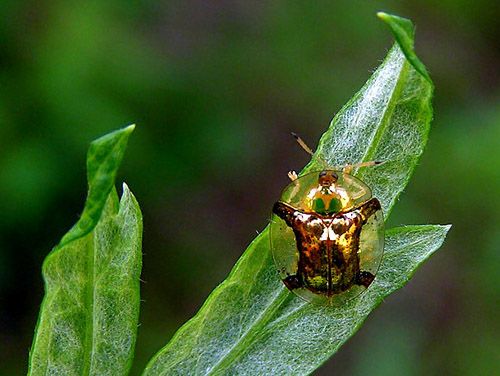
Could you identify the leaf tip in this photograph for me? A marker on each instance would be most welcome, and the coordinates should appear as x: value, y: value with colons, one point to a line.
x: 445, y: 228
x: 383, y: 16
x: 404, y: 33
x: 128, y: 196
x: 399, y: 27
x: 126, y: 193
x: 113, y: 137
x: 129, y: 129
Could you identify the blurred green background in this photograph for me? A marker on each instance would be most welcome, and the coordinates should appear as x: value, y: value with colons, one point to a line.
x: 215, y: 88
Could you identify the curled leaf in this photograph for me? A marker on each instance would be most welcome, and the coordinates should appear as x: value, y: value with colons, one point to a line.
x: 88, y: 319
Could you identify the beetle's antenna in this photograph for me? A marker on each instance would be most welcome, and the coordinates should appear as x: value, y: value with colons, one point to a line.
x: 308, y: 150
x: 302, y: 144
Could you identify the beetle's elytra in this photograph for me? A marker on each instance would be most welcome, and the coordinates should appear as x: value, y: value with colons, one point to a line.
x: 327, y: 235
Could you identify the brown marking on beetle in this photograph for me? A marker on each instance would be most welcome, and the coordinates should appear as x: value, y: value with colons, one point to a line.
x: 334, y: 261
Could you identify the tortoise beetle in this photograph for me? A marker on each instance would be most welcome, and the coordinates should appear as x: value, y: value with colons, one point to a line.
x: 327, y: 235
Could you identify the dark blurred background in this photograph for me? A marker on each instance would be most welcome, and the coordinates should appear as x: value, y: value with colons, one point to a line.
x: 215, y: 88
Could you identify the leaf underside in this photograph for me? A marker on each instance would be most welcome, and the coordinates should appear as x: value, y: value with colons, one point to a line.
x: 88, y: 319
x: 251, y: 324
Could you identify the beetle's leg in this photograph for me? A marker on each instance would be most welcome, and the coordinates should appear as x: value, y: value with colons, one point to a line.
x: 347, y: 169
x: 284, y: 211
x: 292, y: 282
x: 292, y: 175
x: 369, y: 208
x: 364, y: 278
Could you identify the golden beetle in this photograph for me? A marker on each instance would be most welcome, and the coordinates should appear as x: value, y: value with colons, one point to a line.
x: 327, y: 234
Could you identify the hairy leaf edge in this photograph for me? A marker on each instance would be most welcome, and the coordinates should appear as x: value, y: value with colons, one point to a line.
x: 126, y: 131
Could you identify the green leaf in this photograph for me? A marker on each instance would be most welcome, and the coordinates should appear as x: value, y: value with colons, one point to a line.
x: 251, y: 324
x: 259, y: 328
x: 88, y: 319
x: 103, y: 159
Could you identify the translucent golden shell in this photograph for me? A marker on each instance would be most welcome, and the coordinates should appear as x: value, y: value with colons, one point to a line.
x: 327, y: 236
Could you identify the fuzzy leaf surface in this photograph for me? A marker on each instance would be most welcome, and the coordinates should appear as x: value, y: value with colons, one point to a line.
x: 251, y: 324
x: 88, y: 319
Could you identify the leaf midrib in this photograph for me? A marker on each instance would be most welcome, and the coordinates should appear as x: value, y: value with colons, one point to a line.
x: 388, y: 111
x: 88, y: 347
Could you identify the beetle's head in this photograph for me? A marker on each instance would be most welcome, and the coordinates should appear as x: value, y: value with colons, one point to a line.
x: 327, y: 178
x: 324, y: 198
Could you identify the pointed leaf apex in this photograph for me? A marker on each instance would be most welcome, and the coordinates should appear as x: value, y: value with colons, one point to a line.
x: 130, y: 128
x: 404, y: 33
